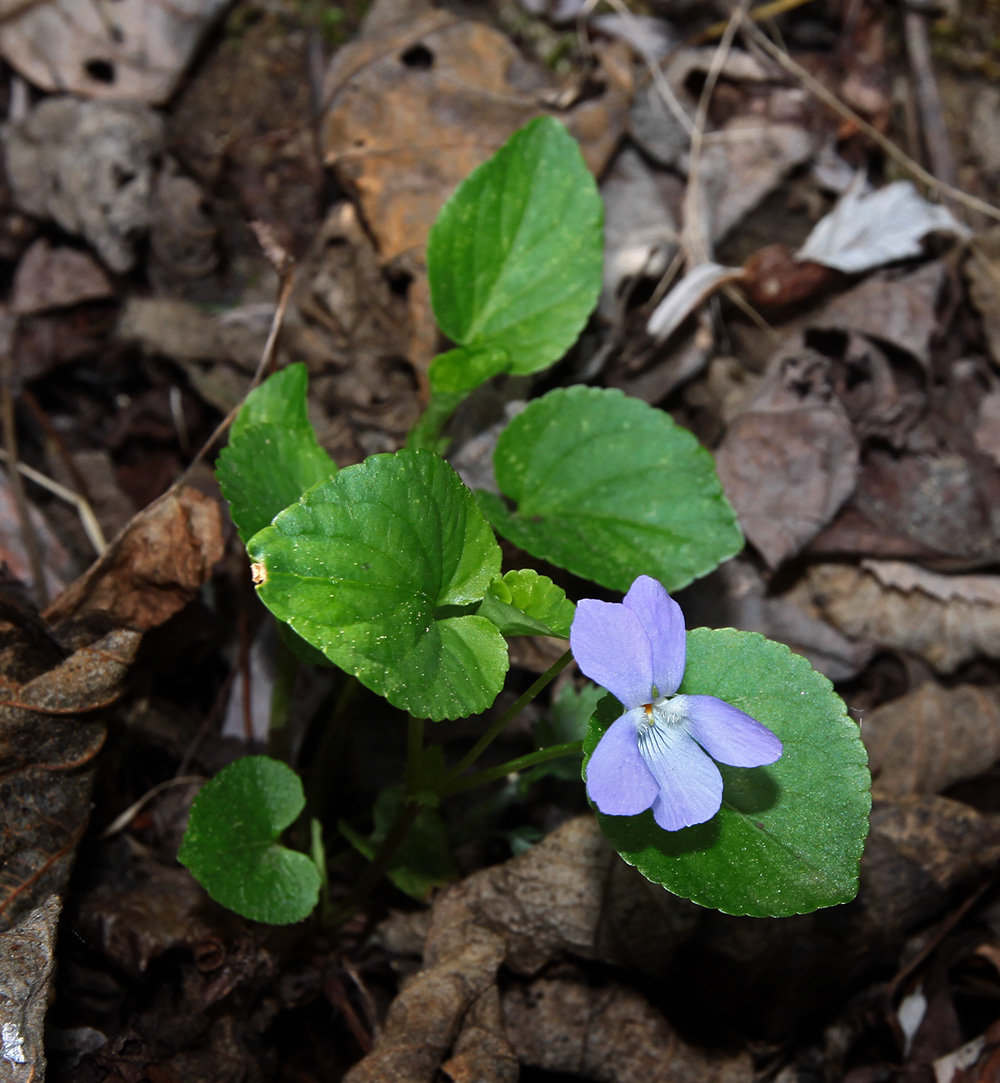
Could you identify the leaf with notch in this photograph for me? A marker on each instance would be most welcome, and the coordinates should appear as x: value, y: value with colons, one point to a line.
x: 381, y: 568
x: 231, y: 843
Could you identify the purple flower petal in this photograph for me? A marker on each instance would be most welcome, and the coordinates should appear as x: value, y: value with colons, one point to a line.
x: 728, y: 734
x: 663, y: 622
x: 611, y: 648
x: 618, y: 780
x: 690, y: 784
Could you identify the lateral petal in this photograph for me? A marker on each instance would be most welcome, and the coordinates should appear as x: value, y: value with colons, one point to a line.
x: 618, y: 780
x: 663, y: 622
x: 726, y: 733
x: 611, y: 648
x: 690, y: 783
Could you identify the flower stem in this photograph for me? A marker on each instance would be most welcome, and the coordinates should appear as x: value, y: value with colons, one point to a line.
x: 531, y: 759
x: 502, y: 722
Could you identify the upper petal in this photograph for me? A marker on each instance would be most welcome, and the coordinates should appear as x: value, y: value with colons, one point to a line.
x: 726, y: 733
x: 618, y: 780
x: 690, y: 784
x: 611, y: 648
x: 663, y: 622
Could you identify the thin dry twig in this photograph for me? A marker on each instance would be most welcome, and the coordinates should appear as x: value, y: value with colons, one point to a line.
x: 816, y: 88
x: 665, y: 90
x: 88, y: 520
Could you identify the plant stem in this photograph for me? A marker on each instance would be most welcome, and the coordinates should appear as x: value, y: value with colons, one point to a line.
x: 426, y: 433
x: 531, y: 759
x: 394, y: 838
x: 502, y: 722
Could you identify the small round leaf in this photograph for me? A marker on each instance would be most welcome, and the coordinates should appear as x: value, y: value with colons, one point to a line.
x: 231, y: 843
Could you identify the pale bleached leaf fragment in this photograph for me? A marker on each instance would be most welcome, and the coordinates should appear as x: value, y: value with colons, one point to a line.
x: 870, y: 229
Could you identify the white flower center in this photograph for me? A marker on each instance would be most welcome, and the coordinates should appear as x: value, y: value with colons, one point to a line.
x: 657, y: 725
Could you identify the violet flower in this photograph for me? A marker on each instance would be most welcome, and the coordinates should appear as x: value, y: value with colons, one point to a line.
x: 659, y: 753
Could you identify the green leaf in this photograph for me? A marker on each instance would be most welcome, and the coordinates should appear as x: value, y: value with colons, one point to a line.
x: 423, y: 862
x: 380, y: 568
x: 231, y: 842
x: 570, y: 715
x: 524, y: 603
x: 608, y: 486
x: 273, y: 456
x: 465, y: 368
x: 515, y: 256
x: 279, y: 400
x: 788, y: 838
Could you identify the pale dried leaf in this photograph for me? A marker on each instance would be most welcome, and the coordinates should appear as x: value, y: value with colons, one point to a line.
x: 135, y: 49
x: 870, y: 229
x: 89, y: 166
x: 946, y: 628
x: 931, y: 738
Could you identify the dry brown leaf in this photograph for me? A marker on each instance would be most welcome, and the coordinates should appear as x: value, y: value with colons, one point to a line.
x: 49, y: 735
x: 154, y: 567
x: 920, y: 506
x: 932, y: 738
x: 148, y: 910
x: 413, y: 109
x: 947, y: 619
x: 893, y: 308
x: 482, y: 1052
x: 790, y: 459
x: 50, y: 277
x: 609, y: 1034
x: 569, y: 894
x: 135, y: 49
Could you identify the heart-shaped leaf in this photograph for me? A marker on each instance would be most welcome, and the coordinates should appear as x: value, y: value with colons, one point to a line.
x: 381, y: 568
x: 788, y: 838
x: 608, y: 486
x: 231, y: 843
